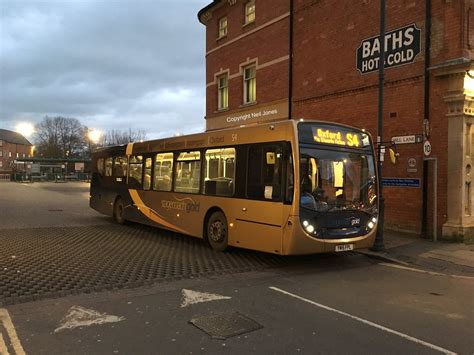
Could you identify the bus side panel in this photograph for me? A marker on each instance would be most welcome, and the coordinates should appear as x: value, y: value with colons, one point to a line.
x: 258, y: 225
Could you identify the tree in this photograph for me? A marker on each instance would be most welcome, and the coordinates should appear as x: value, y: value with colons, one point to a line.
x: 60, y: 137
x: 116, y: 137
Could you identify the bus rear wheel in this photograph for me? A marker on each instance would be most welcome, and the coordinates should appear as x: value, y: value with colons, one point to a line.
x: 119, y: 211
x: 216, y: 231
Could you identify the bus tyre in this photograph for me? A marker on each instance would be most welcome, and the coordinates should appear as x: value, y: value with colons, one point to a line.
x: 119, y: 211
x: 216, y: 231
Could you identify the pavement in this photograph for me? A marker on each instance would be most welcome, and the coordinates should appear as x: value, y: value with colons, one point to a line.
x: 412, y: 251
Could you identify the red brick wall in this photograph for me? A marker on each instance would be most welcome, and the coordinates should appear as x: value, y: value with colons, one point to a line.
x: 266, y: 45
x: 14, y: 149
x: 327, y: 85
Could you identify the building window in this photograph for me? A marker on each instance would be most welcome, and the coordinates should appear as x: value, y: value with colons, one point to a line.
x: 1, y: 164
x: 1, y: 143
x: 222, y: 27
x: 1, y: 153
x: 9, y: 154
x: 250, y: 84
x: 223, y: 92
x: 249, y: 12
x: 17, y: 155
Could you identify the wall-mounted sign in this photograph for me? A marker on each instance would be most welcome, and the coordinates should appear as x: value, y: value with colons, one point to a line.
x: 401, y: 47
x: 400, y: 182
x: 274, y: 111
x: 427, y: 148
x: 412, y: 165
x: 418, y: 138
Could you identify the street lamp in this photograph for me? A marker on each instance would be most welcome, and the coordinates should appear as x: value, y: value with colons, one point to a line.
x: 25, y: 129
x: 94, y: 136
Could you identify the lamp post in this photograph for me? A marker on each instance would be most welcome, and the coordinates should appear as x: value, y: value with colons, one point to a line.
x: 25, y: 129
x: 379, y: 244
x: 93, y: 136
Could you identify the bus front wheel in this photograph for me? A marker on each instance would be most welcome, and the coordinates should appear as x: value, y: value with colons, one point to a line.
x: 119, y: 211
x: 217, y: 231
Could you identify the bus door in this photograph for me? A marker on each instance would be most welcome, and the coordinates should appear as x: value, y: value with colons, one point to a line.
x: 262, y: 215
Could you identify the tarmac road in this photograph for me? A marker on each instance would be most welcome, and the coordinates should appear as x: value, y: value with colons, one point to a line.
x: 345, y: 303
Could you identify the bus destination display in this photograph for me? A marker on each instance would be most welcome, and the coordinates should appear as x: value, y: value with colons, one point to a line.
x: 339, y: 137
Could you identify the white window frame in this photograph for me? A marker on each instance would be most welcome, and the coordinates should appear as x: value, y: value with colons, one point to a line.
x: 249, y: 81
x: 223, y: 92
x: 222, y: 30
x: 250, y: 14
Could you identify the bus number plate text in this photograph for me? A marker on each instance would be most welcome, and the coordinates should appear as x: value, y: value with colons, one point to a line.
x: 344, y: 247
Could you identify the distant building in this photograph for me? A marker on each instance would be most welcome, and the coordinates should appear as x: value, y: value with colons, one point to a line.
x: 290, y: 59
x: 13, y: 146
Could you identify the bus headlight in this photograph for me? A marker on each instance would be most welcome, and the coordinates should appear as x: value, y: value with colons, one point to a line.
x: 371, y: 225
x: 309, y: 228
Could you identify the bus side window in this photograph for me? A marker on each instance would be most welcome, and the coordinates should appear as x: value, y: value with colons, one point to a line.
x: 100, y: 166
x: 147, y: 176
x: 135, y: 171
x: 188, y: 172
x: 108, y: 167
x: 264, y: 172
x: 163, y: 172
x: 120, y: 167
x: 219, y: 171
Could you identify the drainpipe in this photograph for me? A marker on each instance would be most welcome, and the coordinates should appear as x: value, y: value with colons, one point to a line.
x: 290, y: 63
x: 426, y: 104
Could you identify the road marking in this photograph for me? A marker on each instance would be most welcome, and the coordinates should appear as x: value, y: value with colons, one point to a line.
x: 395, y: 266
x: 78, y: 316
x: 3, y: 346
x: 7, y: 323
x: 375, y: 325
x: 192, y: 297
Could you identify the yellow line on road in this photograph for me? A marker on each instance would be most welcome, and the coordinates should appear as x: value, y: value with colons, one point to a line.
x: 7, y: 323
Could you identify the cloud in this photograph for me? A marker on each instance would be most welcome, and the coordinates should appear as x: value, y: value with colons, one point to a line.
x: 111, y: 64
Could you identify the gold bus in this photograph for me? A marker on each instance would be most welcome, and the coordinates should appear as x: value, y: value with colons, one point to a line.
x: 288, y: 187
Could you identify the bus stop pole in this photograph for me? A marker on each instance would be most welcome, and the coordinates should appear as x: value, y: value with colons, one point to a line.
x: 379, y: 244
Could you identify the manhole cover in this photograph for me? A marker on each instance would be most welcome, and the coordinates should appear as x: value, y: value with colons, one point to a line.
x: 225, y: 325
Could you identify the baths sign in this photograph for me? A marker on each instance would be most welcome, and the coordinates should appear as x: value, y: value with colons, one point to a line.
x: 401, y: 47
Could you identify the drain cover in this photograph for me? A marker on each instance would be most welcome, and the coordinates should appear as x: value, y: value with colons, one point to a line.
x: 225, y: 325
x: 55, y: 210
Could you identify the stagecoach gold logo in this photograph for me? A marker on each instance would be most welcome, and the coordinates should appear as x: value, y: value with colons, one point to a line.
x: 186, y: 205
x: 335, y: 137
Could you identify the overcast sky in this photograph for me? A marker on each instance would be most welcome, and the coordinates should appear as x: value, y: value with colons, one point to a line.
x: 113, y: 64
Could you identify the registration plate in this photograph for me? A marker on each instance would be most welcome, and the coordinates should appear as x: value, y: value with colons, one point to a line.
x: 344, y: 247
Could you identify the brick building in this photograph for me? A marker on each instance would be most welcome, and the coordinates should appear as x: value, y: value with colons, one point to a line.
x: 280, y: 59
x: 13, y: 146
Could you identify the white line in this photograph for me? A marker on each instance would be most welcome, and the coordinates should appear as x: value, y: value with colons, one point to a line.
x: 395, y: 266
x: 3, y: 346
x: 381, y: 327
x: 8, y: 324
